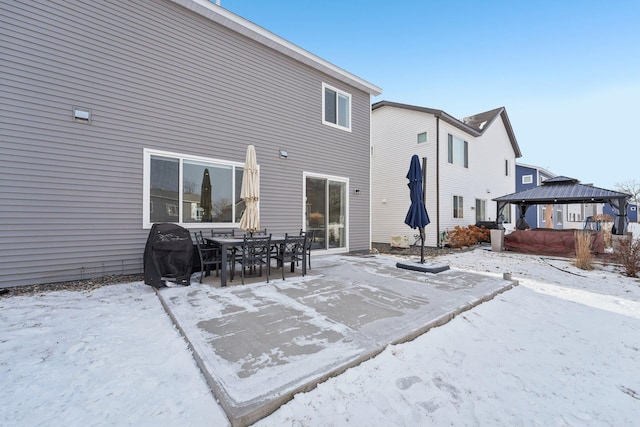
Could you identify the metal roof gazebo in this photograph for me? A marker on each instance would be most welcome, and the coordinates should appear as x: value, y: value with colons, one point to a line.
x: 564, y: 190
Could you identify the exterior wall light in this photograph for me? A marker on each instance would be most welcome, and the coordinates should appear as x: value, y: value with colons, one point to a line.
x: 283, y: 154
x: 82, y: 115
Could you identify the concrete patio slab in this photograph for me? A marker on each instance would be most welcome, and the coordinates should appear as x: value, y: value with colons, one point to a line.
x: 260, y: 344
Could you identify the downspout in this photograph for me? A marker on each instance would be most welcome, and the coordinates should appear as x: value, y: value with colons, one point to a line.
x: 438, y: 181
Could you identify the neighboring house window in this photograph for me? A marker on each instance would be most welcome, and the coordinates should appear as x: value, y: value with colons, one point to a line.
x: 458, y: 206
x: 422, y: 138
x: 458, y: 151
x: 506, y: 168
x: 527, y: 179
x: 336, y: 108
x: 176, y: 190
x: 481, y: 209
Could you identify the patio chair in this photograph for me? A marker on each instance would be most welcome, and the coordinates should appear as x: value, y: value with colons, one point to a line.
x: 310, y: 240
x: 255, y: 252
x: 260, y: 232
x: 293, y: 250
x: 209, y: 256
x: 222, y: 233
x: 231, y: 251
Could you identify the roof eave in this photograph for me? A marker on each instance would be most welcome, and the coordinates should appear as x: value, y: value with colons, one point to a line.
x: 250, y: 30
x: 438, y: 113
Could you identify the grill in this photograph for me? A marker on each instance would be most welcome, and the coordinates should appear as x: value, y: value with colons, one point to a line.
x: 168, y: 255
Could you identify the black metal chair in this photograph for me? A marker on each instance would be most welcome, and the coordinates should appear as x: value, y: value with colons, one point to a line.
x: 260, y: 232
x: 255, y: 252
x: 209, y: 256
x: 310, y: 235
x: 293, y: 250
x: 240, y: 233
x: 222, y: 233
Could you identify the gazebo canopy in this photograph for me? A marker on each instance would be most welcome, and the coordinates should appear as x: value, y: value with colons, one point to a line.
x: 563, y: 190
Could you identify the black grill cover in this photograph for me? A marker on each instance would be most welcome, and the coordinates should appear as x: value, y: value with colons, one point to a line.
x: 168, y: 254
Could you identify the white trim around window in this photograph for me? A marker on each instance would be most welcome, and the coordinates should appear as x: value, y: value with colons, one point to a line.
x: 176, y: 197
x: 336, y: 107
x: 458, y: 207
x: 335, y: 179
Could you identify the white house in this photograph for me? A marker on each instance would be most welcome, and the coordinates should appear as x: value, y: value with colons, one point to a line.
x: 466, y: 163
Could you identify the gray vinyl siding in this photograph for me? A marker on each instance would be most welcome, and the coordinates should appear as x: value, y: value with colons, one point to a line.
x: 159, y: 76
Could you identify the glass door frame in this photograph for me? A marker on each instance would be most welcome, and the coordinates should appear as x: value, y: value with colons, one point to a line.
x: 327, y: 178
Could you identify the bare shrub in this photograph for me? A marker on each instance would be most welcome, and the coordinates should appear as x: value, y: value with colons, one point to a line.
x: 584, y: 260
x: 626, y: 252
x: 467, y: 236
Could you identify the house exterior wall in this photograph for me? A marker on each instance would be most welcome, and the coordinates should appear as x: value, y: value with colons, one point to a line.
x: 394, y: 139
x: 155, y: 75
x: 484, y: 179
x: 534, y: 212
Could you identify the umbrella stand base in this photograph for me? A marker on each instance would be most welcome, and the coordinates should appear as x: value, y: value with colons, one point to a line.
x: 424, y: 268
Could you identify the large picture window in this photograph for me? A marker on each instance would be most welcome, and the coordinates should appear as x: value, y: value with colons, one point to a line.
x: 336, y: 107
x: 458, y: 151
x: 191, y: 190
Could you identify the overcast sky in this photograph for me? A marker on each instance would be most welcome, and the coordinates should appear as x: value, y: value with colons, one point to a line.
x: 567, y: 72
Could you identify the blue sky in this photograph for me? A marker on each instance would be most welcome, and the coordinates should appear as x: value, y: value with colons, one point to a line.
x: 568, y: 72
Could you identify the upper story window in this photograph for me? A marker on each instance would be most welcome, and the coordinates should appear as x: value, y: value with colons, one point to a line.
x: 191, y: 190
x: 422, y: 138
x: 458, y: 151
x: 336, y: 107
x: 507, y: 167
x: 527, y: 179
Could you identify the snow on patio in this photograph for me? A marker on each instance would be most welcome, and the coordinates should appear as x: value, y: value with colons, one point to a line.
x: 563, y: 348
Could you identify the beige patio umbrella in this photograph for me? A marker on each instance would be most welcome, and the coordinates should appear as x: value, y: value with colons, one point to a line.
x: 250, y: 192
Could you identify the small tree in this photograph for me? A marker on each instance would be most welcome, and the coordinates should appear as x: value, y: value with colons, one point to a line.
x: 630, y: 186
x: 626, y: 251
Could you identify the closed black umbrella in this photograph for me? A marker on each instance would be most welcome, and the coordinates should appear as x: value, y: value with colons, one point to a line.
x: 205, y: 197
x: 417, y: 216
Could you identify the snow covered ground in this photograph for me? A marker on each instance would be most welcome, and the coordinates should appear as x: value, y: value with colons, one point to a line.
x: 561, y: 349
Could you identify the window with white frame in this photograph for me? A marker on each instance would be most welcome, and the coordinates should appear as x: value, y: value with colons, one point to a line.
x: 422, y: 138
x: 527, y: 179
x: 458, y: 151
x: 458, y: 207
x: 336, y: 107
x: 481, y: 210
x: 191, y: 190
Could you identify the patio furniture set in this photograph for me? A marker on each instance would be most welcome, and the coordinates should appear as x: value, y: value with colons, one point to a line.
x: 224, y: 251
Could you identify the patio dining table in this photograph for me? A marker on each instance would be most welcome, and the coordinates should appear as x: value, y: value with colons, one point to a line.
x: 225, y: 243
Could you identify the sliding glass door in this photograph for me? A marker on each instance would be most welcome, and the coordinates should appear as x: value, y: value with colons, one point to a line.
x: 326, y: 211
